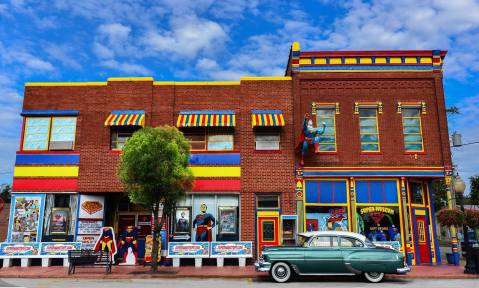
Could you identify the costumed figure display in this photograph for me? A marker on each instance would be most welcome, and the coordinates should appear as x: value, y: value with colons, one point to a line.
x: 309, y: 135
x: 203, y: 223
x: 106, y: 242
x: 129, y: 245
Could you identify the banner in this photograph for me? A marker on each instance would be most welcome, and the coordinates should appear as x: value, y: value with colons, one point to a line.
x: 19, y: 249
x: 231, y: 249
x: 58, y: 248
x: 188, y: 249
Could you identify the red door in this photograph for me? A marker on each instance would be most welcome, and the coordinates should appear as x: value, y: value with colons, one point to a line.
x: 268, y: 232
x: 423, y: 239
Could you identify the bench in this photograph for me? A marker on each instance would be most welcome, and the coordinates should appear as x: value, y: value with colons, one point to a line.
x: 89, y: 258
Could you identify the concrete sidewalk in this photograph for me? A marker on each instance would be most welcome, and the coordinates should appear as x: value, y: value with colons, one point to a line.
x: 138, y: 272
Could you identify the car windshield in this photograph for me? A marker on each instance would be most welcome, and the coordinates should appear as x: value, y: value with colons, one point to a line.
x: 302, y: 241
x: 369, y: 244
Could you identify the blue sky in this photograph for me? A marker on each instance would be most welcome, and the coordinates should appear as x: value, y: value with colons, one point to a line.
x: 69, y: 40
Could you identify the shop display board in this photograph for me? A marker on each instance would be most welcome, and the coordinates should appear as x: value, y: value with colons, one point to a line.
x: 91, y: 212
x: 379, y: 224
x: 319, y: 218
x: 188, y: 249
x: 231, y: 249
x: 26, y: 218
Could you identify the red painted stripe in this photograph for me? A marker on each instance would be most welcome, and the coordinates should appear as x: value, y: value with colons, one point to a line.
x: 217, y: 185
x: 49, y: 184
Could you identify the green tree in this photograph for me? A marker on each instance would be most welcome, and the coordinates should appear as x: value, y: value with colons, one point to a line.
x: 474, y: 195
x: 154, y: 171
x: 440, y: 194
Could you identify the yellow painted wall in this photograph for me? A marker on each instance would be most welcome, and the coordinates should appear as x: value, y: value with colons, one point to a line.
x: 46, y: 171
x: 216, y: 171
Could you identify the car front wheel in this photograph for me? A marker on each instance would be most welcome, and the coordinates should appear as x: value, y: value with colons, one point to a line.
x: 281, y: 272
x: 374, y: 277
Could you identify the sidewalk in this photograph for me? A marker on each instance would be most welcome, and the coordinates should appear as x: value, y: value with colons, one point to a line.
x: 130, y: 272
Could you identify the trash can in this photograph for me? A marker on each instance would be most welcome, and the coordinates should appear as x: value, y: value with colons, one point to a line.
x: 450, y: 258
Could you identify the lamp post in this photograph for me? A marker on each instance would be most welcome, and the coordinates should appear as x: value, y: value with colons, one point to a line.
x: 459, y: 187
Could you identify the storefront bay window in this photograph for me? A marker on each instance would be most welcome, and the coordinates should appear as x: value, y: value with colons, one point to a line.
x: 378, y: 214
x: 326, y: 205
x: 60, y: 217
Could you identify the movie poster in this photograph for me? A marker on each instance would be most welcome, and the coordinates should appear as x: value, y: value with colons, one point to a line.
x: 326, y: 218
x: 26, y: 218
x: 59, y: 221
x: 379, y: 224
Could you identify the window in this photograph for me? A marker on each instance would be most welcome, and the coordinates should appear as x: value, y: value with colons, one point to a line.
x: 350, y: 242
x: 324, y: 241
x: 326, y: 218
x: 417, y: 193
x: 377, y: 191
x: 268, y: 231
x: 49, y: 133
x: 120, y: 134
x: 327, y: 141
x: 267, y: 201
x: 379, y: 223
x: 267, y: 140
x: 368, y: 128
x: 412, y: 130
x: 210, y: 140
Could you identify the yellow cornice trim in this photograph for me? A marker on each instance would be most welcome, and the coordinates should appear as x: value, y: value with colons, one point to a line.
x: 199, y: 83
x: 112, y: 79
x: 266, y: 78
x: 36, y: 84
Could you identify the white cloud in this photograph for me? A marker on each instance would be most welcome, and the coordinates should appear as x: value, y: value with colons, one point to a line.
x: 63, y: 53
x: 125, y: 67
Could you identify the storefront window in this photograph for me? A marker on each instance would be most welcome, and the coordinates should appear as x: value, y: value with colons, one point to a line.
x: 378, y: 223
x: 267, y: 201
x: 321, y: 218
x: 417, y: 193
x: 60, y: 217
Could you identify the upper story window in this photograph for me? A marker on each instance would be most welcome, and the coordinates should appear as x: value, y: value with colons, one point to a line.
x: 412, y: 130
x: 120, y: 134
x: 49, y: 133
x: 327, y: 141
x: 213, y: 139
x: 369, y: 130
x: 267, y: 201
x: 267, y: 140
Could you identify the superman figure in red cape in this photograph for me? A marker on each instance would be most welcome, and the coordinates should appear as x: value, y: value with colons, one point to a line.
x: 309, y: 135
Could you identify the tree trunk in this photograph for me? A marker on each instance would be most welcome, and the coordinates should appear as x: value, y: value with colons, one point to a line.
x: 156, y: 232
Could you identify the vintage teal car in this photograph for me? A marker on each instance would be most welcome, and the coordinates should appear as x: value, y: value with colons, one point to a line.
x: 331, y: 253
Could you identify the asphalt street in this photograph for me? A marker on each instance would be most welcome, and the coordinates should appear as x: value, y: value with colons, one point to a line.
x: 232, y: 283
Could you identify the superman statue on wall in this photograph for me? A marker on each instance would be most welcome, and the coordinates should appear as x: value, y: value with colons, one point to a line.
x: 309, y: 135
x: 203, y: 224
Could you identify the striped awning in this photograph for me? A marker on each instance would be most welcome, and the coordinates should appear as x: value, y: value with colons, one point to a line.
x: 267, y: 118
x: 126, y: 118
x: 206, y: 118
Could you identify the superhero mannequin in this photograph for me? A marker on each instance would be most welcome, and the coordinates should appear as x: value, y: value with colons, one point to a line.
x: 309, y: 135
x: 128, y: 240
x: 106, y: 242
x: 204, y: 222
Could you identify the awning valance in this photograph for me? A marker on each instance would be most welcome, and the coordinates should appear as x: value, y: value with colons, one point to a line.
x: 126, y: 118
x: 267, y: 118
x: 206, y: 118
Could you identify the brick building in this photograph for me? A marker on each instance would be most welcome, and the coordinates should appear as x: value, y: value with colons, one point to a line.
x: 384, y: 140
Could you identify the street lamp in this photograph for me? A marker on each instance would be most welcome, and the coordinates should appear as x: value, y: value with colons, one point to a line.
x: 459, y: 186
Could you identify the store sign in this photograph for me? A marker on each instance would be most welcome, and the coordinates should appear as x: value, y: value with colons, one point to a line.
x: 91, y: 206
x: 58, y: 248
x: 88, y: 241
x: 188, y: 250
x: 89, y: 227
x: 231, y: 249
x: 19, y: 249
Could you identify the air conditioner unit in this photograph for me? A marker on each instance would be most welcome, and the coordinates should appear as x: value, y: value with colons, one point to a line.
x: 61, y: 145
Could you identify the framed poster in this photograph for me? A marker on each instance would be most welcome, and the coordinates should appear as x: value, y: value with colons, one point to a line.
x: 59, y: 221
x: 227, y: 220
x: 26, y: 217
x: 182, y: 224
x: 91, y: 206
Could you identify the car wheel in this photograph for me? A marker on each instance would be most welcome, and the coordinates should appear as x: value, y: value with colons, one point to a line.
x: 281, y: 272
x: 374, y: 277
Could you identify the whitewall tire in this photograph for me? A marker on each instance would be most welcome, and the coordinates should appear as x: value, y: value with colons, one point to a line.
x: 374, y: 277
x: 281, y: 272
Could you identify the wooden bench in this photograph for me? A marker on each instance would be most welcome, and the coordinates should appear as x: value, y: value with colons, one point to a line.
x: 89, y: 258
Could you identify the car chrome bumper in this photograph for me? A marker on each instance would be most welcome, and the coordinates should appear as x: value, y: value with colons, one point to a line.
x: 403, y: 270
x: 262, y: 266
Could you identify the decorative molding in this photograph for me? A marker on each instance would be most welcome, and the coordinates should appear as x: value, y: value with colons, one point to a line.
x: 418, y: 105
x: 315, y: 106
x: 372, y: 105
